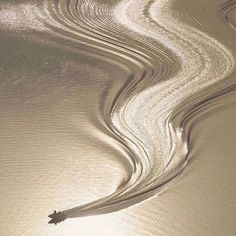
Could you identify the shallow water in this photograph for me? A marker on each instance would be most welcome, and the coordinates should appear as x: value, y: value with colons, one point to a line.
x: 120, y: 107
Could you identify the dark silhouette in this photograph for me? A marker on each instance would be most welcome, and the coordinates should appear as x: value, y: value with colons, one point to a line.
x: 57, y: 217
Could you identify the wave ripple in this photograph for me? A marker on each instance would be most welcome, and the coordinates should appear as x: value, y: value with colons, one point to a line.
x: 172, y: 65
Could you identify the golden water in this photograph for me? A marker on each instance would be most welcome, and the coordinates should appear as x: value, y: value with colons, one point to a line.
x: 120, y: 114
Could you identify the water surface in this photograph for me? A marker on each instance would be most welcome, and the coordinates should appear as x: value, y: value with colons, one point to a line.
x: 120, y: 107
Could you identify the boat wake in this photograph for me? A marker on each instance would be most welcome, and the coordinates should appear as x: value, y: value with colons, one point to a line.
x: 172, y: 64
